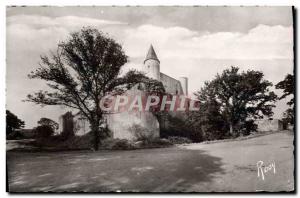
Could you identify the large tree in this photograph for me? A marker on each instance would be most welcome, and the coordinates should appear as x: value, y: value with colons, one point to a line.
x: 83, y: 70
x: 48, y: 122
x: 232, y: 100
x: 13, y: 122
x: 288, y: 87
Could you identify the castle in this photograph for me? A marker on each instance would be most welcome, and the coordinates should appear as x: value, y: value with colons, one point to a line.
x: 120, y: 123
x: 151, y: 67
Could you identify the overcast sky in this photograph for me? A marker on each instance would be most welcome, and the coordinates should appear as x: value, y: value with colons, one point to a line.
x: 196, y: 42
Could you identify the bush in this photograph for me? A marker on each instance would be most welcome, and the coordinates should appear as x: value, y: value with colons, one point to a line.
x: 179, y: 140
x: 15, y: 135
x: 122, y: 145
x: 158, y: 143
x: 141, y: 133
x: 116, y: 144
x: 59, y: 142
x: 153, y: 143
x: 43, y: 131
x: 107, y: 143
x: 77, y: 142
x: 248, y: 127
x: 180, y: 127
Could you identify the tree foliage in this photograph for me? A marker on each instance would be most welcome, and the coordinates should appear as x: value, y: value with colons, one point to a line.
x: 81, y: 72
x: 288, y: 86
x: 179, y: 126
x: 48, y: 122
x: 43, y: 131
x: 288, y: 116
x: 231, y: 101
x: 13, y: 122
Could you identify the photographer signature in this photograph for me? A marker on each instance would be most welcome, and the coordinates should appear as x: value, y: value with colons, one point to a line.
x: 262, y: 169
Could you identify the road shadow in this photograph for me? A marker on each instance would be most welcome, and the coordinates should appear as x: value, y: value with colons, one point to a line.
x: 187, y: 169
x: 148, y: 170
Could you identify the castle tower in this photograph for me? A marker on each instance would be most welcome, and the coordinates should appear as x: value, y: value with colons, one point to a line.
x: 152, y: 64
x: 184, y: 84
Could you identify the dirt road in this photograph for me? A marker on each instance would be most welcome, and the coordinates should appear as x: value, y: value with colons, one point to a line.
x: 241, y: 162
x: 226, y: 166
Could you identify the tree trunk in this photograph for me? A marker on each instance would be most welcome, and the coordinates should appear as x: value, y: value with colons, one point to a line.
x: 95, y: 132
x: 96, y: 140
x: 231, y: 128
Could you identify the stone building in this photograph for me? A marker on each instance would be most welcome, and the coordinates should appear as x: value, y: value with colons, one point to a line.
x: 120, y: 124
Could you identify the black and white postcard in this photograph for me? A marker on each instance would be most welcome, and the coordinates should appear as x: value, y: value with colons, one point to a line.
x: 156, y: 99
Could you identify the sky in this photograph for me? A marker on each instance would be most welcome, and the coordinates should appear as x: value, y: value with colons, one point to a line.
x: 196, y: 42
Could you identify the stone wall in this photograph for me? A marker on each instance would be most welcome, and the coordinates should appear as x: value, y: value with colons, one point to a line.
x: 120, y: 124
x: 269, y: 125
x: 81, y: 126
x: 172, y: 86
x: 66, y: 124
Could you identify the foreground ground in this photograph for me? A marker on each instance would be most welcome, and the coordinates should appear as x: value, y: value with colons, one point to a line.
x: 224, y: 166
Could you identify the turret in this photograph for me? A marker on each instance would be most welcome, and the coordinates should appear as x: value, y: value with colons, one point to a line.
x: 184, y: 84
x: 152, y: 64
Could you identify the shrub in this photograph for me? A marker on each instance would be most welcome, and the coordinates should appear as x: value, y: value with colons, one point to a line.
x: 141, y: 133
x: 153, y: 143
x: 15, y: 135
x: 116, y: 144
x: 122, y: 144
x: 77, y: 142
x: 107, y: 143
x: 180, y: 127
x: 179, y: 140
x: 59, y: 142
x: 43, y: 131
x: 158, y: 142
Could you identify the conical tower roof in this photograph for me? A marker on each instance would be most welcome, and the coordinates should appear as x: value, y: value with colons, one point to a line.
x: 151, y: 54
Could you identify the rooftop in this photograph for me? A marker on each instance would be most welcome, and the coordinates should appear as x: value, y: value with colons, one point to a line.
x: 151, y: 54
